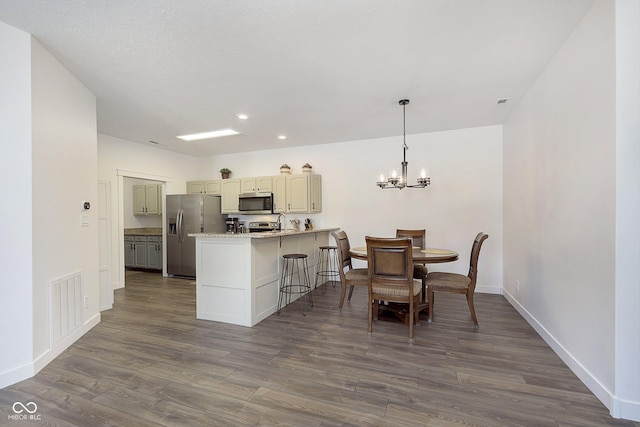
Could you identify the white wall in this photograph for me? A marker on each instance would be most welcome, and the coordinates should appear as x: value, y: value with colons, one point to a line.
x: 118, y: 158
x: 559, y: 202
x: 15, y: 187
x: 465, y: 196
x: 49, y: 168
x: 64, y: 175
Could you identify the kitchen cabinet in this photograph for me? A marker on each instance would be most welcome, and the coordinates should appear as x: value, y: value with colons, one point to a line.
x: 230, y: 190
x: 204, y: 187
x: 140, y: 252
x: 247, y: 185
x: 315, y: 196
x: 297, y: 193
x: 279, y: 194
x: 143, y: 252
x: 302, y: 193
x: 128, y: 250
x: 154, y: 252
x: 262, y: 184
x: 147, y: 199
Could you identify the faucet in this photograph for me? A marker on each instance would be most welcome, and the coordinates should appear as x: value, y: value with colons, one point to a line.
x: 283, y: 224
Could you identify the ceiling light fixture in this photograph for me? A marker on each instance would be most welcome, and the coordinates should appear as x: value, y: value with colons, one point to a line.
x: 400, y: 182
x: 242, y: 116
x: 207, y: 135
x: 283, y: 137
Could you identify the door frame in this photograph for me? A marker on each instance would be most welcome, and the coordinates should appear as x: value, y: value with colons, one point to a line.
x: 121, y: 174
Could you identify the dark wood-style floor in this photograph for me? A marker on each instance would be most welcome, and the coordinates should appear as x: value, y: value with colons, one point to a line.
x: 150, y: 362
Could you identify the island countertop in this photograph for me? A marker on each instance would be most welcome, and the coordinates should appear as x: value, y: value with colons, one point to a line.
x: 265, y: 234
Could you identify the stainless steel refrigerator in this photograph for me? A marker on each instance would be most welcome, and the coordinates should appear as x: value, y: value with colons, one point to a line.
x: 189, y: 213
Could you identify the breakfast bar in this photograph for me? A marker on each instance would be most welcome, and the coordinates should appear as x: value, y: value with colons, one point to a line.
x: 238, y: 275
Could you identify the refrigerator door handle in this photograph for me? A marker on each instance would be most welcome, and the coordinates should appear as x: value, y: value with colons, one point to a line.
x: 180, y: 225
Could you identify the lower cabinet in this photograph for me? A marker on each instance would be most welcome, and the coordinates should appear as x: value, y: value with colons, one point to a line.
x: 154, y: 252
x: 143, y: 252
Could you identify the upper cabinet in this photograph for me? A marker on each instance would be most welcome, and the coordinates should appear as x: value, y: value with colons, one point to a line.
x: 204, y: 187
x: 262, y: 184
x: 300, y: 193
x: 297, y: 193
x: 147, y: 199
x: 230, y: 189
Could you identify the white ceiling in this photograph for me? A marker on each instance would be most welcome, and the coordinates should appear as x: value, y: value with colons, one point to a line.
x: 317, y: 71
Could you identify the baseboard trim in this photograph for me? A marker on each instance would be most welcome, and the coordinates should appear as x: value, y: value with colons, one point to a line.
x: 489, y: 290
x: 45, y: 358
x: 617, y: 408
x: 18, y: 374
x: 30, y: 369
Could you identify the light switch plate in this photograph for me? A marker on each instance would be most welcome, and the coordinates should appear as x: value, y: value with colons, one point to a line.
x: 84, y: 220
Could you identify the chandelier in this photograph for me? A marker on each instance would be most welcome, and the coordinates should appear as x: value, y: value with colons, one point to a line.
x: 400, y: 182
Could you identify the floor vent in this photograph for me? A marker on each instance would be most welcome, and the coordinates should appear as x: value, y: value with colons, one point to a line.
x: 65, y: 306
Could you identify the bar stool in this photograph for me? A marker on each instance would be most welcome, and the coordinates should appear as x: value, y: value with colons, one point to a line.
x: 295, y: 265
x: 327, y: 266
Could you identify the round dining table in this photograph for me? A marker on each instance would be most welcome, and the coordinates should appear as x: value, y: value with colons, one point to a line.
x: 420, y: 256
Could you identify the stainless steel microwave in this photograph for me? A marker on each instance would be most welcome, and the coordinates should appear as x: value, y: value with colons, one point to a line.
x: 255, y: 203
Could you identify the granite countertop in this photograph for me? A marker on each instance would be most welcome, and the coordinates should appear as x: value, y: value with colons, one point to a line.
x: 143, y: 231
x: 264, y: 235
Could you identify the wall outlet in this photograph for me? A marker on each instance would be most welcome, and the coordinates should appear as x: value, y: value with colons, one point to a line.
x: 86, y: 302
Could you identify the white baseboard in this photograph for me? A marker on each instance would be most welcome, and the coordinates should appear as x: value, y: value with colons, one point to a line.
x: 489, y: 290
x: 30, y: 369
x: 45, y: 358
x: 617, y: 407
x: 18, y: 374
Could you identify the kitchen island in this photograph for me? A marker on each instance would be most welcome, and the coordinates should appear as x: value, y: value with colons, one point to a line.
x: 238, y: 275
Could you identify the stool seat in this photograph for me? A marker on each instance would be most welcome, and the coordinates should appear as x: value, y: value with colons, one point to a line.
x: 295, y: 281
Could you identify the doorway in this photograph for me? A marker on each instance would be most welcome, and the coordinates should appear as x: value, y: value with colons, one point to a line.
x: 131, y: 177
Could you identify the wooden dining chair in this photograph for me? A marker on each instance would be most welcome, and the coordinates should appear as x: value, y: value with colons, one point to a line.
x: 418, y: 239
x: 390, y: 277
x: 458, y: 283
x: 352, y: 276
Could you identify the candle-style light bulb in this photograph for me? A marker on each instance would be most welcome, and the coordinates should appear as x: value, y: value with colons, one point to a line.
x: 381, y: 179
x: 394, y: 173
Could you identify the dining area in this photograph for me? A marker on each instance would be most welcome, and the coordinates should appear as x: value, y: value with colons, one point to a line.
x: 396, y: 284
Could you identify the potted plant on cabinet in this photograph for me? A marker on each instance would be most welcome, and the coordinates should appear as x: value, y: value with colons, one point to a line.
x: 225, y: 173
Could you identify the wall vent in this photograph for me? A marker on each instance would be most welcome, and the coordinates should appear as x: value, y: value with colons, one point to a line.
x: 65, y: 306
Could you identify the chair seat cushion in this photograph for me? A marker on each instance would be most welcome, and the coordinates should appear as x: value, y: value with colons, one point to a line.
x: 420, y: 271
x: 357, y: 276
x: 393, y: 290
x: 451, y: 281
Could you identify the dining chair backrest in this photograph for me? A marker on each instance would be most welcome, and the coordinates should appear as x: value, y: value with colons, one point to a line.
x: 390, y: 261
x: 475, y: 254
x: 418, y: 237
x: 342, y: 242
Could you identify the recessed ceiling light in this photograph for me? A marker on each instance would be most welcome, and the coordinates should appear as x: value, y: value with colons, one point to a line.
x: 282, y: 136
x: 242, y: 116
x: 206, y: 135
